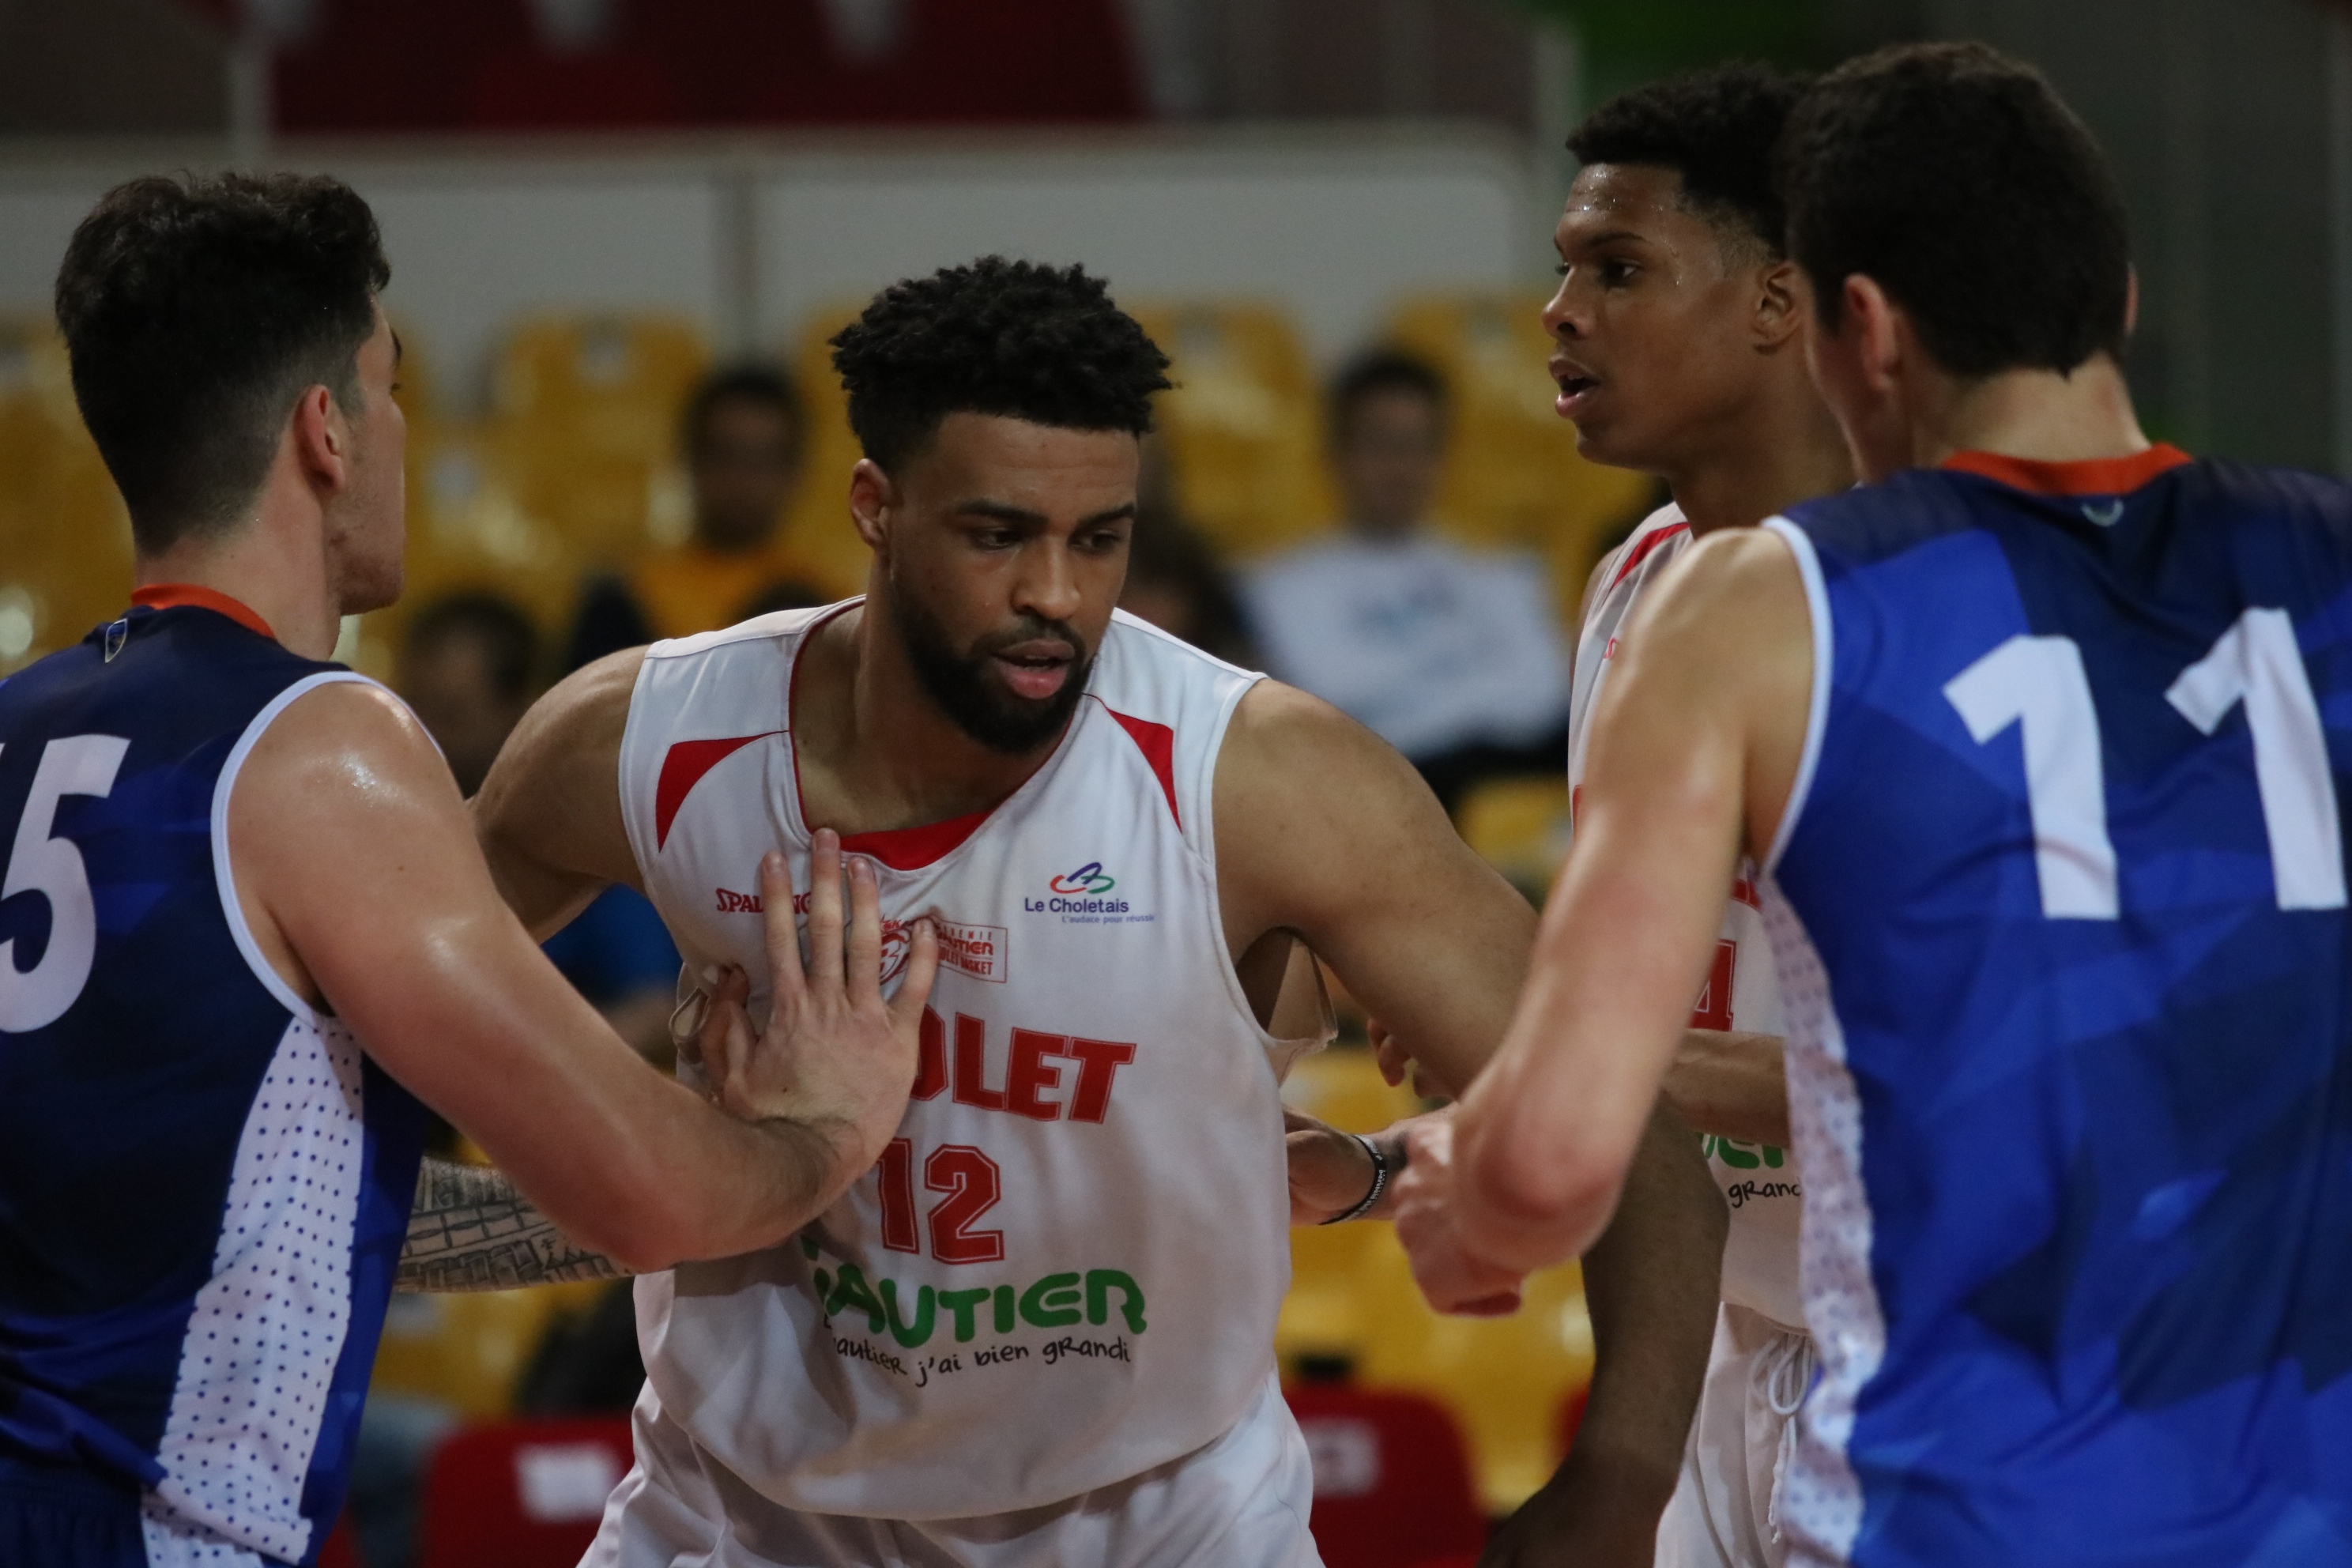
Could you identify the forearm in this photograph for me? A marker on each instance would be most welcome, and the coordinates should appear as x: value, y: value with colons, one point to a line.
x: 784, y: 1173
x: 1652, y: 1283
x: 471, y: 1230
x: 1732, y: 1085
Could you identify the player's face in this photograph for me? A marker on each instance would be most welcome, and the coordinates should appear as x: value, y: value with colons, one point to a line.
x: 365, y: 525
x: 1001, y: 550
x: 1654, y: 324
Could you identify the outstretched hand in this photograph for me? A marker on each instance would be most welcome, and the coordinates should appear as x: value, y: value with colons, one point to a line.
x: 1454, y: 1281
x: 834, y: 1052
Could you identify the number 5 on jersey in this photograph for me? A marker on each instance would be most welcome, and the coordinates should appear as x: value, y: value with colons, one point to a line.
x: 40, y: 862
x: 2038, y: 684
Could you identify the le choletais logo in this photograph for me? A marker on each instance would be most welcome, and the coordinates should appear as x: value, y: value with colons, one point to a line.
x: 1079, y: 892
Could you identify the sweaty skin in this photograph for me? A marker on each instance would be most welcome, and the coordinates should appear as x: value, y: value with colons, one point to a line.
x: 1324, y: 834
x: 359, y: 877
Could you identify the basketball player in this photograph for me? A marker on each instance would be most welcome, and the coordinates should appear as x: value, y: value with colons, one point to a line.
x: 1681, y: 353
x: 2031, y: 739
x: 245, y: 921
x: 1041, y: 1331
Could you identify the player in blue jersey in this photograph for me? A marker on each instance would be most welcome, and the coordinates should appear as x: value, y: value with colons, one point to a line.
x: 2039, y: 737
x: 245, y: 929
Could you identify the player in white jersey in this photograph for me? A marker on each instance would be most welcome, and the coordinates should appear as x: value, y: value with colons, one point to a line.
x: 1679, y: 354
x: 1040, y: 1329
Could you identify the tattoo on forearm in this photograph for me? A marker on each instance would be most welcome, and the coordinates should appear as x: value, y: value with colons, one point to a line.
x: 470, y: 1230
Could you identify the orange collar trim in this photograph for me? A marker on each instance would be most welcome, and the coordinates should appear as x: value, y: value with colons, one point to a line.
x: 2092, y: 476
x: 171, y: 595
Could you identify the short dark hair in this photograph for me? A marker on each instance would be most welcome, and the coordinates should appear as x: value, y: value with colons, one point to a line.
x: 1716, y: 127
x: 1954, y: 177
x: 508, y: 641
x: 196, y: 310
x: 1010, y: 338
x: 746, y: 383
x: 1378, y: 371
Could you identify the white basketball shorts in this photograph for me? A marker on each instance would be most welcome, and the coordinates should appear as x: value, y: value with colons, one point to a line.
x: 1240, y: 1502
x: 1722, y: 1513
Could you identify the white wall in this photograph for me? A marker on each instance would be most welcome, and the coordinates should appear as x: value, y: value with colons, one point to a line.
x: 1333, y: 225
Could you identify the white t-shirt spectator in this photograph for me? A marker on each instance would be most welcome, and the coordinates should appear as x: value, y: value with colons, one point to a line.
x: 1432, y: 646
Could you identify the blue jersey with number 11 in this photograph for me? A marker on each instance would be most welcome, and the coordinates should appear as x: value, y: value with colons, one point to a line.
x: 2060, y: 907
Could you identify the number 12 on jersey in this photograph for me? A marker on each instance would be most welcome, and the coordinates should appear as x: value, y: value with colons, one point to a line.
x: 972, y: 1184
x: 2038, y: 684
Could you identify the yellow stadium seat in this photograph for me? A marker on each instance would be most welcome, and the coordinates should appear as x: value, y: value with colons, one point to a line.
x: 467, y: 1349
x: 816, y: 524
x: 1504, y: 1378
x: 1519, y: 826
x: 470, y: 532
x: 65, y: 538
x: 1513, y: 476
x: 1243, y: 427
x: 586, y: 410
x: 1323, y: 1315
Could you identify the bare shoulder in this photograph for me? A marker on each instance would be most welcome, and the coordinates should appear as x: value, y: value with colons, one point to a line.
x: 1729, y: 586
x: 1312, y: 807
x: 586, y: 711
x: 1280, y: 735
x: 1723, y: 646
x: 346, y: 737
x: 552, y: 799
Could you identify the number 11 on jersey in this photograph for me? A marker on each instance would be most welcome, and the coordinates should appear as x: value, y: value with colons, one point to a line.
x: 2038, y: 684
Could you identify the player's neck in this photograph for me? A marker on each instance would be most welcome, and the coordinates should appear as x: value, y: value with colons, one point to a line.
x: 2036, y: 415
x: 274, y: 564
x: 1783, y: 449
x: 878, y: 753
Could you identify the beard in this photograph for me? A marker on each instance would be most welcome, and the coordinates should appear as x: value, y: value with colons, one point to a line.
x: 961, y: 683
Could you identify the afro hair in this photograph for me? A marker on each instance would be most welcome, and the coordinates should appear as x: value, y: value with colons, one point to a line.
x: 1012, y: 338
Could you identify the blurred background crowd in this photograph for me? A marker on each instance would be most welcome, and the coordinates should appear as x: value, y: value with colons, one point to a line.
x: 623, y: 230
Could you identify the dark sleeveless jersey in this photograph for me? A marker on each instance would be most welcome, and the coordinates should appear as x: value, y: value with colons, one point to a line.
x: 2060, y: 912
x: 204, y: 1183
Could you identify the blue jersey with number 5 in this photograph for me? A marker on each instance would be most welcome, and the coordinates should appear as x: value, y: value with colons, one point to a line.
x: 2060, y: 908
x: 203, y: 1181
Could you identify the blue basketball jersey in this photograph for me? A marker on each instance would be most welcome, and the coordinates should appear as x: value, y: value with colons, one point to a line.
x: 204, y: 1183
x: 2060, y: 910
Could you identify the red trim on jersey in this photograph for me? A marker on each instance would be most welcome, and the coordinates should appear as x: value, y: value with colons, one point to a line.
x: 1641, y: 552
x: 172, y: 595
x: 912, y: 848
x: 1158, y: 744
x: 682, y: 768
x: 2091, y: 477
x: 900, y: 848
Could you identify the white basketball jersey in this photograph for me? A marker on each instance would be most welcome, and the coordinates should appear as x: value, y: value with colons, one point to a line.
x: 1066, y: 1268
x: 1760, y: 1182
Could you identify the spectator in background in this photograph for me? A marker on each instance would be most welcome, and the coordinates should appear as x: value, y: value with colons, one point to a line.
x: 743, y: 437
x: 1452, y: 656
x: 464, y: 668
x: 1174, y: 578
